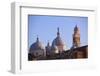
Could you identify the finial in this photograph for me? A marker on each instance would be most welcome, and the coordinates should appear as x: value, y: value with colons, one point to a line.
x: 58, y: 31
x: 37, y: 38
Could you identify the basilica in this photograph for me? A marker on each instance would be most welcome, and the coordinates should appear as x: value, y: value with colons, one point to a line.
x: 58, y: 50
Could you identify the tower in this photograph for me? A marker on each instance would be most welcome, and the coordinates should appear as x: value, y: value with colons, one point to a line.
x: 76, y: 37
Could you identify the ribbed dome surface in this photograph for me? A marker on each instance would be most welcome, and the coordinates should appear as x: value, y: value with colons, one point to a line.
x: 36, y: 46
x: 57, y: 41
x: 54, y: 48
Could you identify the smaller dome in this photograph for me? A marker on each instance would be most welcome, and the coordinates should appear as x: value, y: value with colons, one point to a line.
x: 48, y: 47
x: 65, y: 48
x: 36, y: 46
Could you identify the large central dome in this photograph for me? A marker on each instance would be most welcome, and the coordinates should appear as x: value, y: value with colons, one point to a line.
x: 58, y: 41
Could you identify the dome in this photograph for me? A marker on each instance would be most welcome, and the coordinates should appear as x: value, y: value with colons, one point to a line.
x: 48, y: 47
x: 37, y: 45
x: 54, y: 48
x: 58, y: 41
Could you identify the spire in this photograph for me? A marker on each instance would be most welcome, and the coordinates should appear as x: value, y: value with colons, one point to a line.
x: 48, y: 44
x: 58, y: 31
x: 76, y: 37
x: 76, y: 28
x: 48, y: 47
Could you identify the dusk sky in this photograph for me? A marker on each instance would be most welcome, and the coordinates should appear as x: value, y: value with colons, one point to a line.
x: 45, y: 27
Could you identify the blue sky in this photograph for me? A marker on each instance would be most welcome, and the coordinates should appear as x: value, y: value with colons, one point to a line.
x: 46, y: 28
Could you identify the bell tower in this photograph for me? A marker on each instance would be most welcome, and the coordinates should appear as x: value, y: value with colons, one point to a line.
x: 76, y: 37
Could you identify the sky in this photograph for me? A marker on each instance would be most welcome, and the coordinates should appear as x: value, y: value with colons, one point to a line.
x: 45, y: 27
